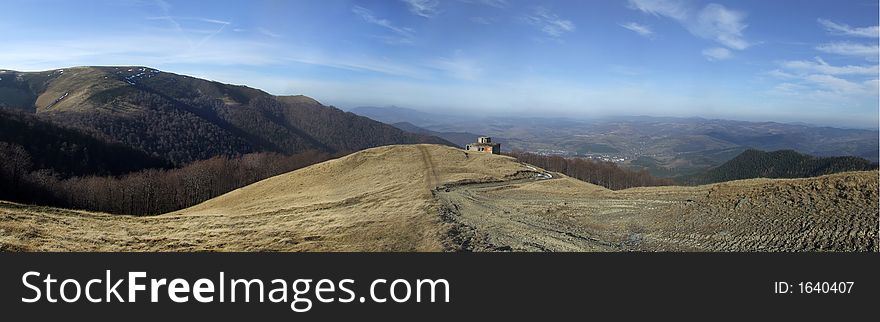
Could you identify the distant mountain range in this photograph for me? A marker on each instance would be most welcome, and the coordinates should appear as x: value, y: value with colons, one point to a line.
x: 458, y: 138
x: 666, y: 146
x: 394, y: 114
x: 180, y: 119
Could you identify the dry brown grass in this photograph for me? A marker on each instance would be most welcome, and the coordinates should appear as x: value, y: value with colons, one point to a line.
x: 375, y: 200
x: 384, y: 199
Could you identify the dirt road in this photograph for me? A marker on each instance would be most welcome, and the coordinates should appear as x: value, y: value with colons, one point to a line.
x: 837, y: 213
x: 521, y: 223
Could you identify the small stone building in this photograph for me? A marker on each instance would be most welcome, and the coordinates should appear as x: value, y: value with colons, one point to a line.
x: 484, y: 144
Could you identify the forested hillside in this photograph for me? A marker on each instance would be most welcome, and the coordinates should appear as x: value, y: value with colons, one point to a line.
x: 33, y: 143
x: 184, y: 119
x: 136, y: 140
x: 603, y: 173
x: 779, y: 164
x: 151, y: 191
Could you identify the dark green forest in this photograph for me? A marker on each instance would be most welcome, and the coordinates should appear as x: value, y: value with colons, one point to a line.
x: 779, y: 164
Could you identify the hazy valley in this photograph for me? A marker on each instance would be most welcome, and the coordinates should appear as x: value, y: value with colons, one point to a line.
x: 666, y: 146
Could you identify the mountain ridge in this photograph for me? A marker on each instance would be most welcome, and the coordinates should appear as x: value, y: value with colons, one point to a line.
x: 182, y: 118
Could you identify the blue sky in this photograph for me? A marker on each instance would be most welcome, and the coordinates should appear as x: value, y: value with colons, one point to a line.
x: 789, y: 61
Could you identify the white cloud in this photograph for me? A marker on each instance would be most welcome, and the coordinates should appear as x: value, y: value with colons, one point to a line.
x: 549, y: 23
x: 269, y: 33
x: 717, y: 53
x: 674, y: 9
x: 481, y: 20
x: 789, y: 88
x: 458, y: 66
x: 714, y: 21
x: 778, y: 73
x: 215, y: 27
x: 870, y: 52
x: 161, y: 51
x: 820, y: 66
x: 639, y: 29
x: 846, y: 30
x: 819, y: 82
x: 424, y: 8
x: 836, y: 84
x: 404, y: 35
x: 722, y: 25
x: 491, y: 3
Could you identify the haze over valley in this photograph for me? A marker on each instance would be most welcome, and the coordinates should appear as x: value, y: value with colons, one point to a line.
x: 667, y: 146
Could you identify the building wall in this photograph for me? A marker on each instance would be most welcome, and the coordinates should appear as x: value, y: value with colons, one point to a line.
x: 494, y: 148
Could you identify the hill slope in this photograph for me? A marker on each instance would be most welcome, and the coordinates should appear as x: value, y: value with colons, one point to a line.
x: 377, y: 199
x: 182, y: 119
x: 431, y: 198
x: 69, y: 151
x: 781, y: 164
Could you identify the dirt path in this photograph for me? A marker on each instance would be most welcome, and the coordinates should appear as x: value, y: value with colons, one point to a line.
x: 431, y: 180
x: 832, y: 213
x: 484, y: 224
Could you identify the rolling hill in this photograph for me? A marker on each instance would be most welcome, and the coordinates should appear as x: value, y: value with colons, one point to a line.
x: 438, y: 198
x: 780, y: 164
x: 182, y: 119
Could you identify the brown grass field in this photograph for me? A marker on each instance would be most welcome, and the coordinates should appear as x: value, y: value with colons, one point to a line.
x: 437, y: 198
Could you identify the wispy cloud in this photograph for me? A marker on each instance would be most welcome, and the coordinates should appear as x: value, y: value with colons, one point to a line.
x: 639, y: 29
x: 549, y: 23
x: 840, y: 85
x: 723, y: 25
x: 713, y: 22
x: 194, y: 44
x: 674, y: 9
x: 199, y: 19
x: 818, y: 65
x: 845, y: 30
x: 269, y: 33
x: 819, y: 81
x: 165, y: 7
x: 717, y: 53
x: 482, y: 20
x: 458, y: 66
x: 491, y: 3
x: 424, y: 8
x: 164, y: 51
x: 869, y: 52
x: 778, y: 73
x: 403, y: 35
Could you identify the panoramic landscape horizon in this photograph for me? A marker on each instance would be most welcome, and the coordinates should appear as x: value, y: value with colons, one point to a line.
x: 745, y: 60
x: 428, y: 125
